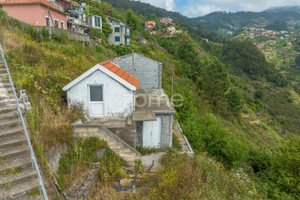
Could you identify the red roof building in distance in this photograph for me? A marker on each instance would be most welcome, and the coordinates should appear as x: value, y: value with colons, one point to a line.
x: 121, y: 73
x: 149, y: 25
x: 35, y: 12
x: 166, y: 20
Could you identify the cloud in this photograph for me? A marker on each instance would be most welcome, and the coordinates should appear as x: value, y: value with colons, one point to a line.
x: 199, y: 10
x: 166, y: 4
x: 193, y: 8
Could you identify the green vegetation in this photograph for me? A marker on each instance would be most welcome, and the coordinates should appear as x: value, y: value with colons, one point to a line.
x: 146, y: 151
x: 79, y: 156
x: 245, y: 55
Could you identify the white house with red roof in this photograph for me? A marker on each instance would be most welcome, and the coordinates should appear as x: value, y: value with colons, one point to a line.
x: 132, y: 105
x: 105, y: 91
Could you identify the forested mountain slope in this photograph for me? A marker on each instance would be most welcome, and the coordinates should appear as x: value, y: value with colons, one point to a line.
x: 216, y: 21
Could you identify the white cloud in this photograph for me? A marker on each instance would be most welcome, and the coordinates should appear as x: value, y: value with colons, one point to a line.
x: 194, y: 8
x: 199, y: 10
x: 166, y: 4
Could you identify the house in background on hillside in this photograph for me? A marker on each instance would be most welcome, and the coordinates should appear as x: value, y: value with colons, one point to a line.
x: 171, y: 30
x: 150, y: 25
x: 112, y: 95
x: 166, y: 20
x: 65, y: 4
x: 153, y: 33
x: 120, y: 32
x: 39, y: 13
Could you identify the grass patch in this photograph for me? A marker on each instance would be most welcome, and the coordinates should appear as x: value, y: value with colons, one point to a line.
x: 7, y: 185
x: 79, y: 158
x: 147, y: 150
x: 2, y: 159
x: 5, y: 111
x: 12, y: 170
x: 175, y: 143
x: 34, y: 192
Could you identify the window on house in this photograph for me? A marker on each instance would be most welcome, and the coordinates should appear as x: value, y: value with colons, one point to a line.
x: 90, y: 21
x: 97, y: 21
x: 117, y: 39
x: 47, y: 21
x: 96, y: 93
x: 56, y: 23
x: 117, y: 29
x: 62, y: 25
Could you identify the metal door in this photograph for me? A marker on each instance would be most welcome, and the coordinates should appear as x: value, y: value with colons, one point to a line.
x: 152, y: 133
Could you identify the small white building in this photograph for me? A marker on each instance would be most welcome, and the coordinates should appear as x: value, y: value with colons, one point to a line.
x: 104, y: 91
x: 137, y: 109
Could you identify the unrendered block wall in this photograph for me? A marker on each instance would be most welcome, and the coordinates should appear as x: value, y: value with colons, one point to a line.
x: 166, y: 130
x: 147, y: 70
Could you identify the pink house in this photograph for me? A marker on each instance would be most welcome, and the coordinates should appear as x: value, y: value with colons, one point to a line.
x: 35, y: 12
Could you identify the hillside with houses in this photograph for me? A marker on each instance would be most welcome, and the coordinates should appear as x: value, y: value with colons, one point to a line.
x: 103, y: 102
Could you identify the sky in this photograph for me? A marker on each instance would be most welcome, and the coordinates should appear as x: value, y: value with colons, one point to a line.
x: 195, y: 8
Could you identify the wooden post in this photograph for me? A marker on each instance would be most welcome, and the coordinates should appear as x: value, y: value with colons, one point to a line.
x: 133, y: 65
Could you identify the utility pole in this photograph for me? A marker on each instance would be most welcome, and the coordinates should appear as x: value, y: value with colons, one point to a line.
x: 49, y: 24
x: 133, y: 65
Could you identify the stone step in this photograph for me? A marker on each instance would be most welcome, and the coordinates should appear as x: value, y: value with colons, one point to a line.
x: 8, y: 102
x: 9, y: 115
x: 3, y: 70
x: 10, y: 164
x: 19, y: 191
x: 11, y: 152
x: 5, y: 91
x: 5, y: 85
x: 115, y: 146
x: 86, y: 130
x: 40, y: 197
x: 7, y: 109
x: 16, y: 131
x: 18, y: 176
x: 6, y: 97
x: 9, y: 123
x: 126, y: 155
x: 13, y: 141
x: 111, y: 142
x: 129, y: 159
x: 4, y: 80
x: 124, y: 151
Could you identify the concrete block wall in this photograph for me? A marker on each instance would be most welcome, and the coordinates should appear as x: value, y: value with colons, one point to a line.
x: 166, y: 130
x: 148, y: 71
x: 126, y: 134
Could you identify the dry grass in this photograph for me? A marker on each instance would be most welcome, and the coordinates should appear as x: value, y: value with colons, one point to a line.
x: 185, y: 178
x: 74, y: 175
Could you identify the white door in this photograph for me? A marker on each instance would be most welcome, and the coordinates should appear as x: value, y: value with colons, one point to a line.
x: 152, y: 133
x: 96, y: 101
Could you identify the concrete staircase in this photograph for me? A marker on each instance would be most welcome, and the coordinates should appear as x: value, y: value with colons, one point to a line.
x: 115, y: 143
x: 18, y: 180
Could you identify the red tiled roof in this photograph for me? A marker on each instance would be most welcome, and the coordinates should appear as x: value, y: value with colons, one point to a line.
x: 24, y: 2
x: 120, y: 72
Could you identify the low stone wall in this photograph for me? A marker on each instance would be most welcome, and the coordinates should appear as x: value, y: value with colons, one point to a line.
x: 128, y: 135
x: 71, y: 35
